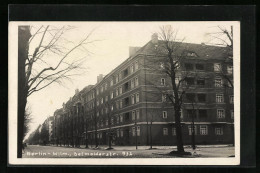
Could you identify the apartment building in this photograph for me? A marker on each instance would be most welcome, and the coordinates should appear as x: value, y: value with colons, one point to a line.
x: 129, y: 106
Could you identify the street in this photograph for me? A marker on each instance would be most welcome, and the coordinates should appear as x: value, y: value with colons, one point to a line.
x: 37, y: 151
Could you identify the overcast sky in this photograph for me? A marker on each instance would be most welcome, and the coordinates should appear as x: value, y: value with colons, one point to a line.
x: 107, y: 54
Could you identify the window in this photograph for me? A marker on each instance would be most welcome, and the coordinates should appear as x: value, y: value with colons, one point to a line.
x: 97, y: 113
x: 230, y: 69
x: 219, y: 131
x: 106, y: 98
x: 164, y: 98
x: 133, y: 99
x: 188, y: 66
x: 217, y: 67
x: 117, y: 133
x: 126, y: 101
x: 117, y: 78
x: 133, y: 131
x: 111, y: 82
x: 219, y: 98
x: 117, y: 92
x: 232, y: 114
x: 125, y: 72
x: 120, y: 76
x: 161, y: 65
x: 136, y: 65
x: 97, y: 103
x: 136, y: 81
x: 203, y: 129
x: 191, y: 54
x: 112, y: 95
x: 127, y: 116
x: 181, y: 113
x: 121, y: 118
x: 163, y: 81
x: 138, y: 130
x: 121, y: 132
x: 191, y: 129
x: 101, y: 90
x: 106, y: 122
x: 218, y: 82
x: 165, y: 131
x: 199, y: 67
x: 201, y: 97
x: 202, y: 113
x: 189, y: 81
x: 177, y: 79
x: 137, y: 114
x: 101, y: 102
x: 97, y: 91
x: 133, y: 115
x: 106, y: 86
x: 100, y: 135
x: 101, y: 111
x: 201, y: 82
x: 164, y: 114
x: 126, y: 86
x: 120, y: 90
x: 132, y: 68
x: 231, y: 99
x: 173, y: 131
x: 229, y: 84
x: 220, y: 113
x: 117, y: 119
x: 121, y: 103
x: 132, y: 83
x: 137, y: 97
x: 190, y: 97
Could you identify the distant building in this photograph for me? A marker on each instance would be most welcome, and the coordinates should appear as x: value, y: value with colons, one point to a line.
x: 129, y: 103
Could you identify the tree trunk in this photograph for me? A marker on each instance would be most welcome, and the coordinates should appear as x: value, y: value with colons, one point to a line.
x: 178, y: 131
x: 23, y: 38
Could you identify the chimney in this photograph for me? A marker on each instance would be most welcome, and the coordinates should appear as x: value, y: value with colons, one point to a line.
x: 154, y: 38
x: 203, y: 44
x: 133, y: 50
x: 99, y: 78
x: 76, y: 91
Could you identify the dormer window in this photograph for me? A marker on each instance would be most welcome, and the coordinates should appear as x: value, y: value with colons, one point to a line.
x: 191, y: 54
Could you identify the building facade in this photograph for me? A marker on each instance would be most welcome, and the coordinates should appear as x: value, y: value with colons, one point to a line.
x: 128, y: 106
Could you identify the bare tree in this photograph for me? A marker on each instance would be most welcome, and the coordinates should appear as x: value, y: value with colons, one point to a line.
x: 27, y: 120
x: 167, y: 62
x: 46, y: 57
x: 223, y: 36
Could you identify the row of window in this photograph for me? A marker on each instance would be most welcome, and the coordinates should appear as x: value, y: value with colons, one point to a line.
x: 201, y: 67
x: 200, y: 81
x: 203, y: 130
x: 135, y: 115
x: 124, y: 73
x: 202, y: 113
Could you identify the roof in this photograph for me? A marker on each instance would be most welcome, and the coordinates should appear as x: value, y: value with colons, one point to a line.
x: 202, y: 50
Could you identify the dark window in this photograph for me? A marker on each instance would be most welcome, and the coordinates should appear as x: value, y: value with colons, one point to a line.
x: 199, y: 67
x: 188, y: 66
x: 126, y: 86
x: 190, y: 81
x: 200, y: 82
x: 190, y: 113
x: 201, y: 97
x: 190, y: 97
x: 127, y: 116
x: 202, y: 113
x: 126, y: 100
x: 125, y: 72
